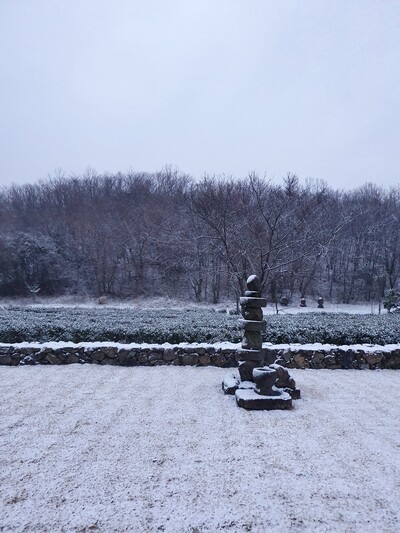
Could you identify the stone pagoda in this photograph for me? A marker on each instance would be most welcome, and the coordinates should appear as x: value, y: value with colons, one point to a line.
x: 256, y: 386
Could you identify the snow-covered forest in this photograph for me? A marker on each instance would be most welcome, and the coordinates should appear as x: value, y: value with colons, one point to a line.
x: 166, y: 234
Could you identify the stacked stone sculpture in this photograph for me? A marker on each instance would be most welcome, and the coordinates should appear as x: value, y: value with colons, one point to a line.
x: 256, y: 386
x: 251, y: 355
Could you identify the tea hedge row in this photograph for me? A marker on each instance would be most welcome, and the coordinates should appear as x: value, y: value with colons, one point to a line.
x: 78, y: 324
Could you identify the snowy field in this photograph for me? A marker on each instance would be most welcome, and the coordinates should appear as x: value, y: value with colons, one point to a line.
x: 112, y: 449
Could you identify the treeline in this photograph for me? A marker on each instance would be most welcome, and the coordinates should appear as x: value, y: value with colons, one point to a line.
x: 141, y: 234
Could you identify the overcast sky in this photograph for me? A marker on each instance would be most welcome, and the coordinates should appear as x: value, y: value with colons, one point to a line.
x: 208, y: 86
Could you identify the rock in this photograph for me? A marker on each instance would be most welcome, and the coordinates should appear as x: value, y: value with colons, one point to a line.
x: 53, y: 359
x: 111, y: 352
x: 231, y: 383
x: 218, y: 360
x: 345, y: 359
x: 250, y: 400
x: 71, y: 358
x: 264, y: 378
x: 143, y: 357
x: 246, y: 370
x: 205, y: 359
x: 253, y: 283
x: 300, y: 360
x: 169, y: 354
x: 392, y: 360
x: 6, y: 359
x: 97, y: 355
x: 156, y: 355
x: 373, y: 358
x: 190, y: 359
x: 329, y: 360
x: 317, y: 358
x: 286, y: 355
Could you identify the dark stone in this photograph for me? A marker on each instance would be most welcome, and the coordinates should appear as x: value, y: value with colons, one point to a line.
x: 248, y: 301
x: 345, y: 359
x: 303, y: 302
x: 250, y: 355
x: 169, y: 354
x: 392, y: 360
x: 28, y: 351
x: 231, y: 383
x: 246, y: 370
x: 111, y: 352
x: 252, y: 325
x: 286, y: 355
x: 6, y: 359
x: 295, y: 394
x: 190, y: 359
x: 269, y: 356
x: 264, y: 378
x: 252, y: 340
x: 71, y: 358
x: 122, y: 356
x: 254, y: 294
x: 252, y: 313
x: 156, y: 355
x: 253, y: 283
x: 97, y: 355
x: 205, y: 359
x: 373, y: 358
x: 231, y: 360
x: 249, y: 399
x: 53, y: 359
x: 218, y: 359
x: 143, y: 357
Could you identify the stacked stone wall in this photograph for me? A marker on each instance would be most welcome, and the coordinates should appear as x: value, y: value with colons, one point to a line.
x: 290, y: 356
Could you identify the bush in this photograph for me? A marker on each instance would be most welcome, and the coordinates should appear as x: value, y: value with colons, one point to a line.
x: 41, y: 324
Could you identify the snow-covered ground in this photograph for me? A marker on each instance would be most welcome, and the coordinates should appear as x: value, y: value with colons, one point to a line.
x: 94, y: 448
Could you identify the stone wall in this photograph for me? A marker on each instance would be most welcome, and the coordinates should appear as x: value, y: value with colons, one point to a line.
x: 221, y: 355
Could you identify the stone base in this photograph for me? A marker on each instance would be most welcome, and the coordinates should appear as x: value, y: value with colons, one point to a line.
x: 250, y: 400
x: 231, y: 383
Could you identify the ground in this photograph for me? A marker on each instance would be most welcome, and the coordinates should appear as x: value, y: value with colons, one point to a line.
x: 94, y: 448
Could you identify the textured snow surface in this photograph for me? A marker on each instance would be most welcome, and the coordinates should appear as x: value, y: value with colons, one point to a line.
x: 95, y: 448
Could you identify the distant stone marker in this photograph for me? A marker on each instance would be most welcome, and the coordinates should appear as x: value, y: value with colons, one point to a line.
x: 255, y: 386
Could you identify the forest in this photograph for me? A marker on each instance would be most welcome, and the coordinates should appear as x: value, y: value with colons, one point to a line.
x: 139, y: 234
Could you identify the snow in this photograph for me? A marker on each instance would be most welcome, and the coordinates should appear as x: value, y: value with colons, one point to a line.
x: 317, y: 347
x: 103, y: 448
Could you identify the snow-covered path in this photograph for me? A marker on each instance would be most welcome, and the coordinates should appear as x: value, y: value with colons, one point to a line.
x: 96, y: 448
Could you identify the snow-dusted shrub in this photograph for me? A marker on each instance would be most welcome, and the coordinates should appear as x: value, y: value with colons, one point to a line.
x: 42, y: 324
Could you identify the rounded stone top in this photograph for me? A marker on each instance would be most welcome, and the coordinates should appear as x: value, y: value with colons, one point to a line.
x: 253, y: 283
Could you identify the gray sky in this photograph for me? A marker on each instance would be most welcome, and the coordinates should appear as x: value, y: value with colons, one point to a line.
x: 217, y: 86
